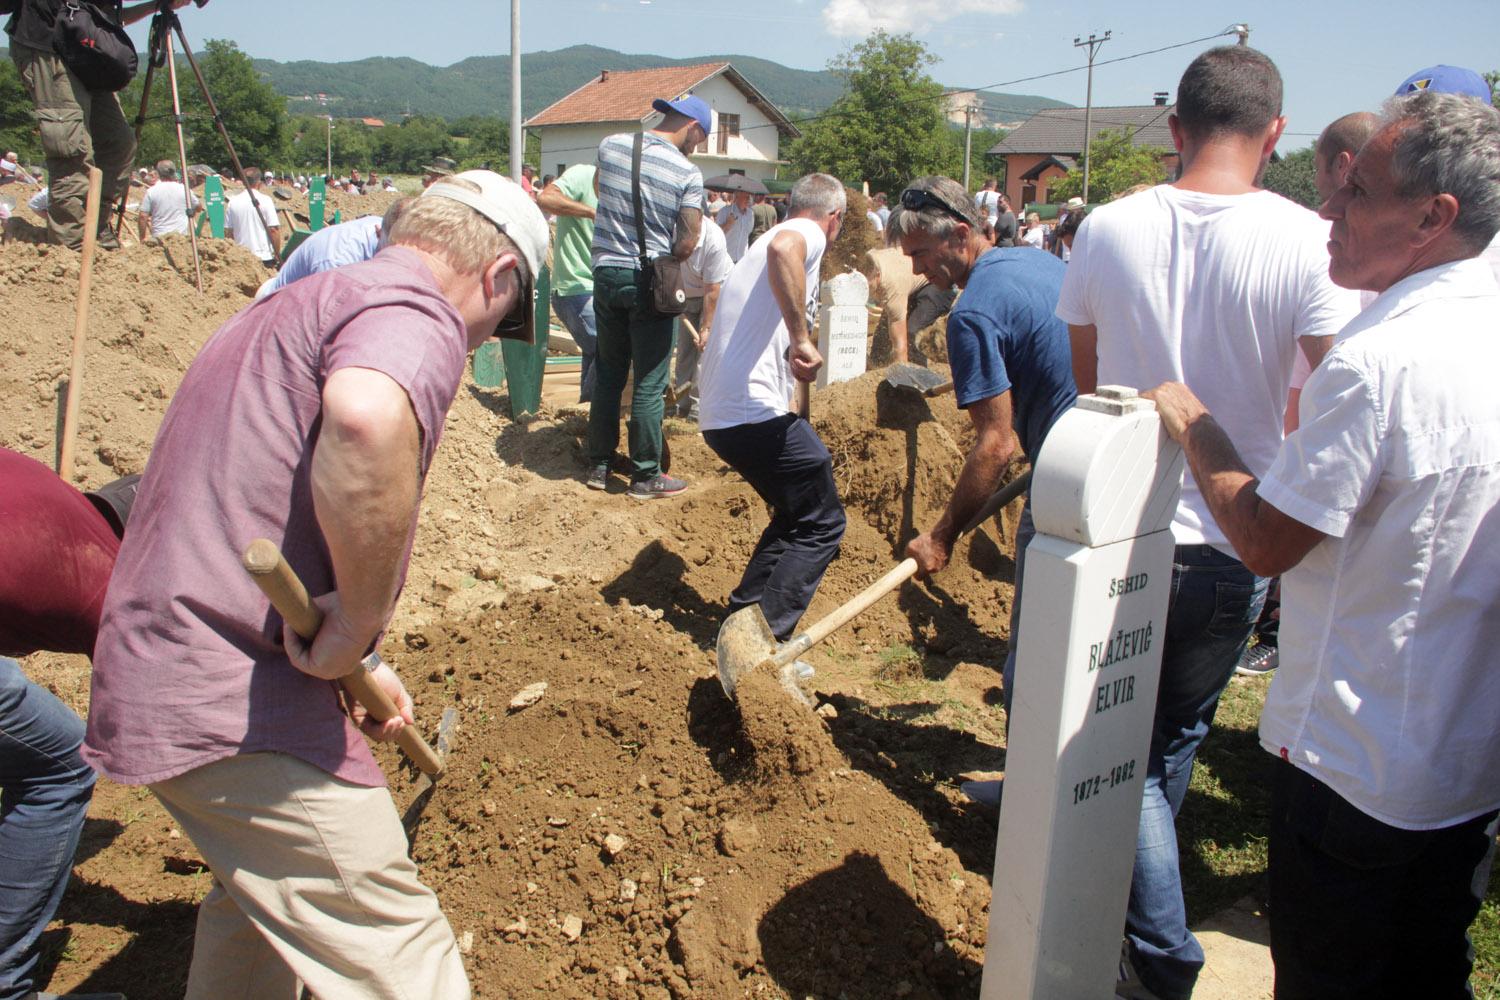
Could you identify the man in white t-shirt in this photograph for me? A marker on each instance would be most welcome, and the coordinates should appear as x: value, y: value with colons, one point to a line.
x: 164, y: 207
x: 762, y: 346
x: 241, y: 222
x: 737, y: 219
x: 1383, y: 513
x: 703, y: 275
x: 988, y: 200
x: 1213, y: 282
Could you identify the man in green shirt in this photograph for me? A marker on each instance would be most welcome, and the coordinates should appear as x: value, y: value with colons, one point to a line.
x: 572, y: 199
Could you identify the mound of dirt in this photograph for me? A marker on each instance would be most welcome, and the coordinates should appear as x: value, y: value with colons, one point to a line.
x: 146, y: 322
x: 634, y: 834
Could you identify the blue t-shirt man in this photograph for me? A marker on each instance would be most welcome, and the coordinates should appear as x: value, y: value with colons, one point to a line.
x: 1003, y: 335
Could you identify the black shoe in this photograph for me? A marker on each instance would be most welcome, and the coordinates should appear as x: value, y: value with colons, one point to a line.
x: 657, y: 487
x: 1262, y: 658
x: 598, y: 478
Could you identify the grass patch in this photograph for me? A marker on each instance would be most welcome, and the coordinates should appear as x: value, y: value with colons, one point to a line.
x: 899, y: 662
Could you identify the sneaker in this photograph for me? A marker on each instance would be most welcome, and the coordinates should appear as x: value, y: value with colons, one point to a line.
x: 1129, y: 985
x: 984, y: 793
x: 1262, y: 658
x: 657, y: 487
x: 598, y: 477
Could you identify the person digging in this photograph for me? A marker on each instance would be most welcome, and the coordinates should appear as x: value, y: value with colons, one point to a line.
x: 331, y: 396
x: 1012, y: 369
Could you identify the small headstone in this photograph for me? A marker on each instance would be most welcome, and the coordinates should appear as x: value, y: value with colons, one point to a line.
x: 842, y: 328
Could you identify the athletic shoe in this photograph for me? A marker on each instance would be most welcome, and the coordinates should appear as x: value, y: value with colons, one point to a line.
x: 1129, y: 985
x: 1262, y: 658
x: 598, y: 477
x: 983, y: 793
x: 658, y: 487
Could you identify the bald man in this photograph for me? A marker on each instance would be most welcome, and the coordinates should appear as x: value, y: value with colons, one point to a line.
x: 1336, y: 149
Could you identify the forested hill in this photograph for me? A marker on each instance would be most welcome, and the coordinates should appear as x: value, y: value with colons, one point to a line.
x: 387, y: 88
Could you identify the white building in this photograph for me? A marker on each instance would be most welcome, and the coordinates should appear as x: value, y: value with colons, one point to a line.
x: 747, y: 132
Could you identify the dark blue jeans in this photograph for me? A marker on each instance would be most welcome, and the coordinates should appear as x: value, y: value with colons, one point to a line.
x: 1364, y: 910
x: 631, y: 334
x: 1214, y: 606
x: 785, y: 461
x: 44, y: 793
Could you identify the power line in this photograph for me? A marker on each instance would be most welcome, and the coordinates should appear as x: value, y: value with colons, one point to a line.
x: 988, y: 87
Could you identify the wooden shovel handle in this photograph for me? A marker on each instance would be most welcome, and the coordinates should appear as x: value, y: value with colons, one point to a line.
x: 265, y: 563
x: 904, y: 571
x: 80, y: 326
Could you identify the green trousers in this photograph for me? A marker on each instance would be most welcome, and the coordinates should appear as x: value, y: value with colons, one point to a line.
x: 631, y: 333
x: 80, y: 129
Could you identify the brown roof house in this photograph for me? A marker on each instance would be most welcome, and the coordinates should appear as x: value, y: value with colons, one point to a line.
x: 747, y: 132
x: 1042, y: 150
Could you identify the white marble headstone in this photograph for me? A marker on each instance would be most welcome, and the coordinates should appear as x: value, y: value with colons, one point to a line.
x: 842, y: 327
x: 1098, y: 577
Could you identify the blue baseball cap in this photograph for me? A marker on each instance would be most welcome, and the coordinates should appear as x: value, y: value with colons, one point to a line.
x: 695, y: 108
x: 1447, y: 80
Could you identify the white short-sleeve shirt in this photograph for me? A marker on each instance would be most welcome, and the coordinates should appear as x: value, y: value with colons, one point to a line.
x: 709, y: 263
x: 239, y: 219
x: 736, y: 226
x: 744, y: 376
x: 1213, y: 291
x: 1388, y: 690
x: 165, y: 202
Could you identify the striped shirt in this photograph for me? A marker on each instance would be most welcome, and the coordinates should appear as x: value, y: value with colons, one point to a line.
x: 669, y: 183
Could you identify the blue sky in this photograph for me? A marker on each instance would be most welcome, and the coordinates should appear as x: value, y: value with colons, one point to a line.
x: 1336, y: 55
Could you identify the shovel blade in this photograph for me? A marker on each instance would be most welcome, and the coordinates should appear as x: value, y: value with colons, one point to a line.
x: 905, y: 375
x: 745, y: 640
x: 413, y: 815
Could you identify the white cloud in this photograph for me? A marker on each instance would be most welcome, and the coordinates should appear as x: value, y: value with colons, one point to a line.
x: 859, y: 18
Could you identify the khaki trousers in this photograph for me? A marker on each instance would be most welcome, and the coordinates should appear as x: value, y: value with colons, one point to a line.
x: 80, y: 129
x: 311, y: 884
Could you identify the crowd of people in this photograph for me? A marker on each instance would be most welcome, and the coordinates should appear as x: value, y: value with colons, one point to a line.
x: 1324, y: 374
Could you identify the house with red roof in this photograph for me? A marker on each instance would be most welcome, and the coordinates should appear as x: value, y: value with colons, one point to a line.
x: 746, y: 138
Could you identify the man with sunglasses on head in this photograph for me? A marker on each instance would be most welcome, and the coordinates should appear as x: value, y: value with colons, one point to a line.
x: 1214, y: 282
x: 1010, y: 361
x: 762, y: 346
x: 331, y: 395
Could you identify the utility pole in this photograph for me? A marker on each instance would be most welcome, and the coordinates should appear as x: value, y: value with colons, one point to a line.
x: 517, y: 137
x: 1243, y: 31
x: 1092, y: 42
x: 969, y: 110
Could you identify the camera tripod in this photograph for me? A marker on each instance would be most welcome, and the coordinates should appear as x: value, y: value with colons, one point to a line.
x: 163, y: 23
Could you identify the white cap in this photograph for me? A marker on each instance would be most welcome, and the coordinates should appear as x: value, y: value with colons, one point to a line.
x: 503, y: 202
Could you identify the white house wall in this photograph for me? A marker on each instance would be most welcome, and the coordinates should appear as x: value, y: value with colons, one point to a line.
x: 758, y: 138
x: 566, y: 145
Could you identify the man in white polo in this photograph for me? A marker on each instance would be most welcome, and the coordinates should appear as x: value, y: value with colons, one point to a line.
x: 1382, y: 512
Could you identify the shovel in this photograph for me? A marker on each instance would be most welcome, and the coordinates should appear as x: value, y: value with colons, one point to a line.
x: 264, y: 561
x: 745, y: 639
x: 926, y: 382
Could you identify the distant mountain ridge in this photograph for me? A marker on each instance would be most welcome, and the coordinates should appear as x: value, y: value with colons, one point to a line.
x: 384, y: 87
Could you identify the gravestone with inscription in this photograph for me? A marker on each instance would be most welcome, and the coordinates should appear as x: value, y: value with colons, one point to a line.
x: 842, y: 328
x: 1098, y: 576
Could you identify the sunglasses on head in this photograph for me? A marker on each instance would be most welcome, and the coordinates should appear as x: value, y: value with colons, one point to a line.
x: 917, y: 199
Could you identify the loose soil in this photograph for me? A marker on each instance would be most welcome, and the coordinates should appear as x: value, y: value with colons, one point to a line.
x: 633, y: 834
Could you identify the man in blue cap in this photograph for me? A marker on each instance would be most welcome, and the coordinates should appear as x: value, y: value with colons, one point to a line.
x: 631, y: 331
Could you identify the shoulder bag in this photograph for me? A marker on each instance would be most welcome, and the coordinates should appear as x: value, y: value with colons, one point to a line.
x: 93, y: 46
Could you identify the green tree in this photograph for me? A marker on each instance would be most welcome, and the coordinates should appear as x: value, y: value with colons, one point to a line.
x: 406, y: 147
x: 1292, y: 177
x: 888, y: 126
x: 1118, y: 164
x: 485, y: 140
x: 17, y: 127
x: 1493, y: 79
x: 253, y: 113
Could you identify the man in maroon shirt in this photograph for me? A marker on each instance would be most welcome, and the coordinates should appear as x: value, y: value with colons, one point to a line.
x: 309, y: 418
x: 57, y: 550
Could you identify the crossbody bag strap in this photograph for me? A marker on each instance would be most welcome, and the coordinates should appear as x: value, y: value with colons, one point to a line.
x: 635, y: 195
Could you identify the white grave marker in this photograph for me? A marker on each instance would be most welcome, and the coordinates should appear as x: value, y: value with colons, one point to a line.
x: 843, y: 325
x: 1098, y: 577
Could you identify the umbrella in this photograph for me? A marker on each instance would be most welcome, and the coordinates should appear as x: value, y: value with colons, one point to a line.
x: 735, y: 182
